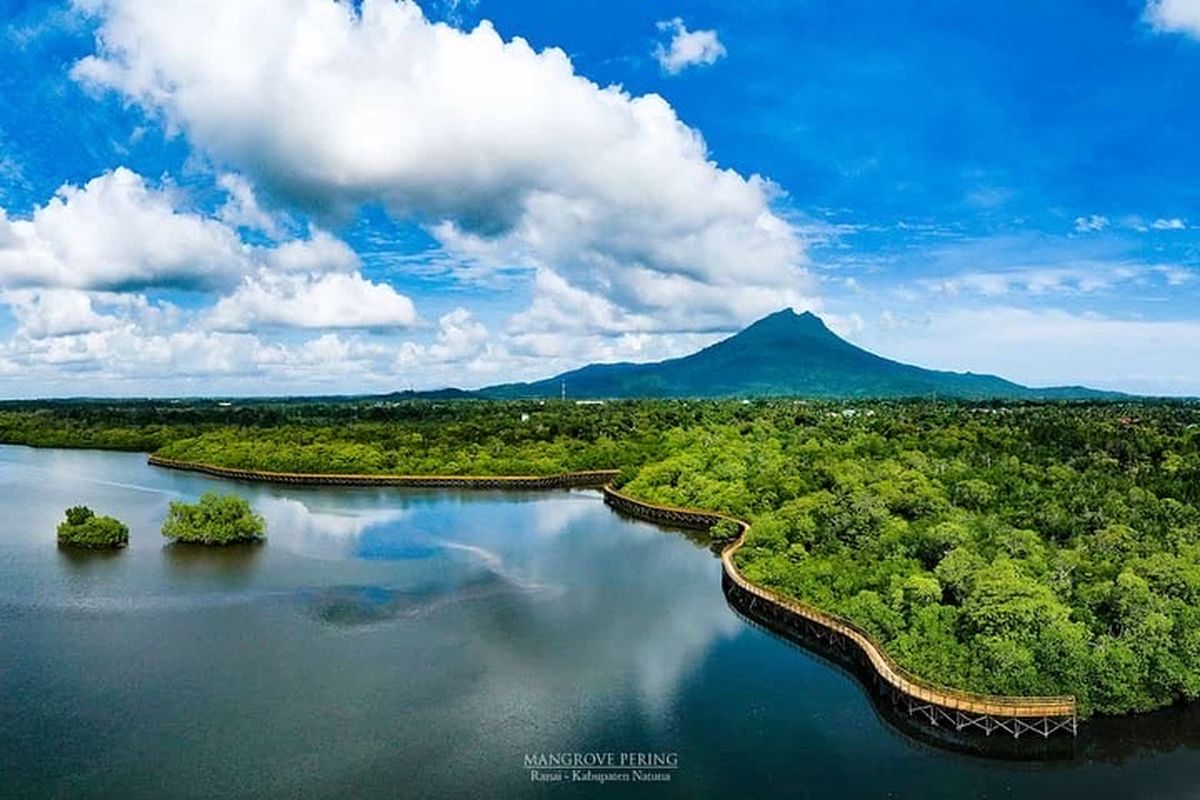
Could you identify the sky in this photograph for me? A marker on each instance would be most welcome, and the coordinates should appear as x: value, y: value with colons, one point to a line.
x: 272, y: 197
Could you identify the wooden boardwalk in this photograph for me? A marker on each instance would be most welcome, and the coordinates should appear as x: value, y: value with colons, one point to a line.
x: 939, y: 705
x: 566, y: 480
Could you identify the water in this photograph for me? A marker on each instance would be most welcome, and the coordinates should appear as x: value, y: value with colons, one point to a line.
x: 402, y: 643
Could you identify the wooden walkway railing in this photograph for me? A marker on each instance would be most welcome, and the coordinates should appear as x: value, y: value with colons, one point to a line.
x: 566, y: 480
x: 939, y: 704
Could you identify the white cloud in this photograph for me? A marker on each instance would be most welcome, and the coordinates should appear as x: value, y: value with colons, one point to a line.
x: 55, y: 312
x: 125, y: 342
x: 462, y: 343
x: 320, y: 252
x: 117, y: 232
x: 460, y: 335
x: 1085, y: 277
x: 528, y: 164
x: 1091, y: 224
x: 242, y: 209
x: 333, y: 300
x: 1174, y: 16
x: 560, y: 308
x: 1174, y: 224
x: 687, y: 48
x: 129, y: 356
x: 465, y: 353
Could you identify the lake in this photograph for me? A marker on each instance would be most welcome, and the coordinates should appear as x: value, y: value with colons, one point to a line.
x: 411, y: 643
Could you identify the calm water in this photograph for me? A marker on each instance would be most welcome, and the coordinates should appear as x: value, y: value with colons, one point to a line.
x: 398, y: 643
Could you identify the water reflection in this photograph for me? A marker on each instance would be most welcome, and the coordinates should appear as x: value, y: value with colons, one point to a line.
x: 1117, y: 740
x: 332, y: 534
x: 610, y: 634
x: 230, y: 565
x: 86, y: 560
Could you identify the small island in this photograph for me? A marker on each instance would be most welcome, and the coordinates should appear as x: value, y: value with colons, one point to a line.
x: 83, y: 529
x: 215, y: 520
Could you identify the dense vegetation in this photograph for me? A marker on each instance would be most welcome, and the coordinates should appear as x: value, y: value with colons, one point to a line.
x: 215, y: 520
x: 1015, y: 548
x: 369, y: 437
x: 1020, y: 550
x: 82, y: 528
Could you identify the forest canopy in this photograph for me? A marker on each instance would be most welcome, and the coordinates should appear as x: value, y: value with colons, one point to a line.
x: 1016, y: 548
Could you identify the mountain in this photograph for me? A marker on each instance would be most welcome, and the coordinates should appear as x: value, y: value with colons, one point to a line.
x: 784, y: 354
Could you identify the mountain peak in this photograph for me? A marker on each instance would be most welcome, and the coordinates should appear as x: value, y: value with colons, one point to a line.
x: 787, y: 323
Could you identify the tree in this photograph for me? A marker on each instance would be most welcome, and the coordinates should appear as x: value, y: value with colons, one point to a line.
x: 82, y: 528
x: 214, y: 520
x: 79, y: 515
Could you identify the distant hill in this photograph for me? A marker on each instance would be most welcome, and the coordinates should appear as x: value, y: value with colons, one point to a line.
x: 784, y: 354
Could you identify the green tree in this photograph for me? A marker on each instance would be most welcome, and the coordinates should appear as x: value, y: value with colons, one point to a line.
x: 725, y: 530
x: 82, y: 528
x: 79, y: 515
x: 215, y: 519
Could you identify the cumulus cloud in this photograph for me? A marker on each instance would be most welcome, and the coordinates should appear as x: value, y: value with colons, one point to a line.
x: 559, y: 307
x: 1174, y: 16
x: 133, y: 354
x: 687, y: 48
x: 55, y: 312
x: 116, y: 232
x: 242, y: 209
x: 130, y: 352
x: 320, y: 252
x: 528, y: 164
x: 463, y: 349
x: 460, y: 335
x: 119, y: 233
x: 332, y: 300
x: 252, y: 335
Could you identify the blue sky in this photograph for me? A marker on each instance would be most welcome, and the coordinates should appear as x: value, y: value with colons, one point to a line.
x: 277, y: 197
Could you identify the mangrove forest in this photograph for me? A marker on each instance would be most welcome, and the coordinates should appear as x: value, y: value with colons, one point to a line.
x: 1045, y: 548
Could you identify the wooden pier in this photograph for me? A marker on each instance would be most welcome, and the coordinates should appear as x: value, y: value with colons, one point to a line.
x: 936, y: 705
x: 565, y: 480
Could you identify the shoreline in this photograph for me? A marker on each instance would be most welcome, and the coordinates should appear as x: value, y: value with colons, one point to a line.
x: 932, y: 704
